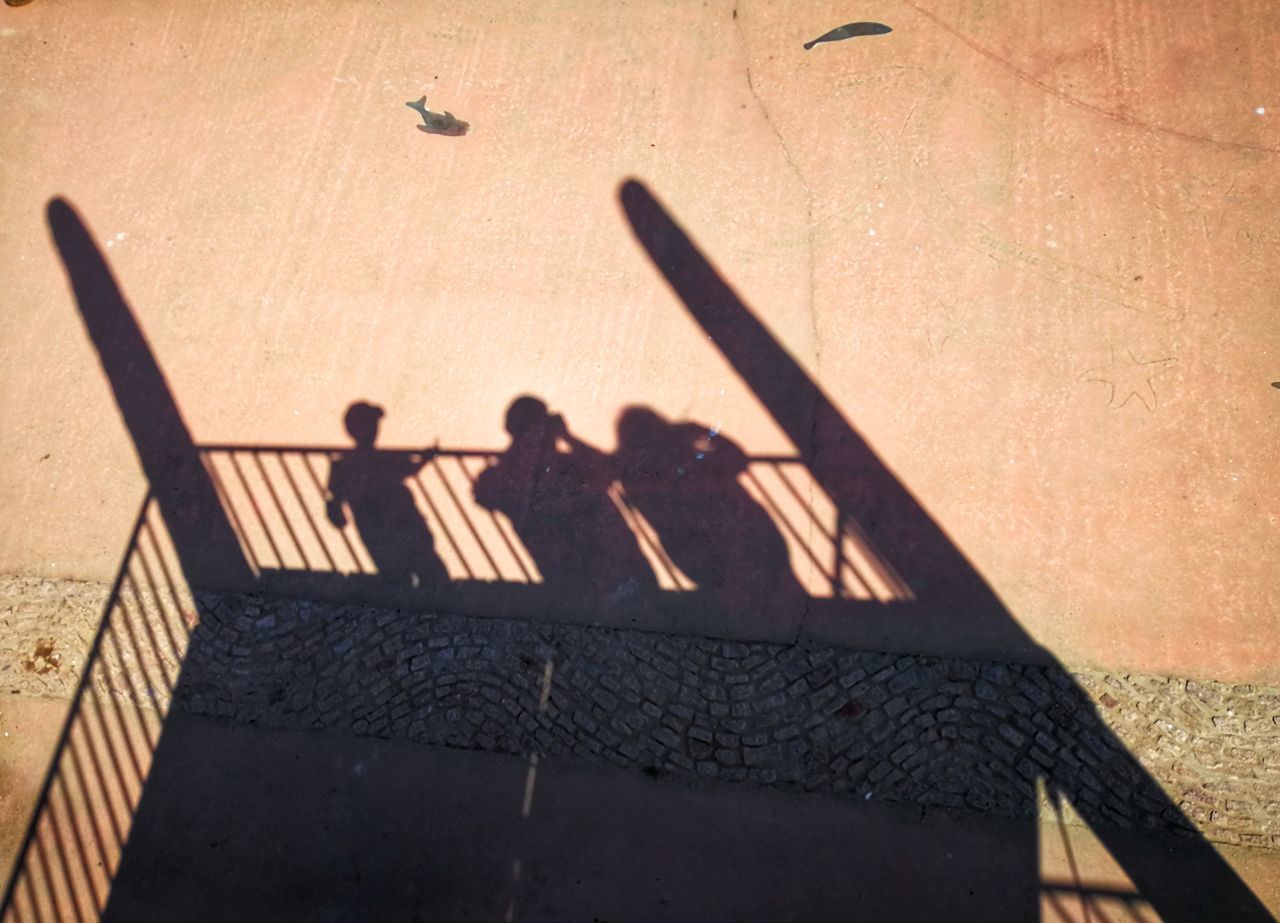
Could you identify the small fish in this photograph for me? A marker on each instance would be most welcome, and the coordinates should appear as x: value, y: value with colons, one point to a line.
x: 436, y: 123
x: 850, y: 30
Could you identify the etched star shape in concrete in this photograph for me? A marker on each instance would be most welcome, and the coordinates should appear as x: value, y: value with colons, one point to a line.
x: 1127, y: 377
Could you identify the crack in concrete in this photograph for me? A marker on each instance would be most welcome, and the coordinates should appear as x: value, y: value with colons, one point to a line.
x: 813, y: 316
x: 795, y: 168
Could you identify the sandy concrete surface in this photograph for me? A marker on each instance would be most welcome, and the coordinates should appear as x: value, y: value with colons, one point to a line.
x: 1031, y: 256
x: 29, y: 728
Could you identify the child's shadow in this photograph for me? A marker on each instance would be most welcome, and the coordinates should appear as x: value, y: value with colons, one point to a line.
x: 371, y: 484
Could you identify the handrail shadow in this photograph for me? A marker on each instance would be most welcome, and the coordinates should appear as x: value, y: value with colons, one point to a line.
x: 878, y: 572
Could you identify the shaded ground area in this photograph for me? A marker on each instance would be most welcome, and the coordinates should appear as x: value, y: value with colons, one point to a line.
x: 346, y: 825
x: 889, y: 278
x: 1042, y: 733
x: 917, y: 729
x: 437, y: 834
x: 897, y: 736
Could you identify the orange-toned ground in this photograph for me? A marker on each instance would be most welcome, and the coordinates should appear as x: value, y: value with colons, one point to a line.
x: 1030, y: 252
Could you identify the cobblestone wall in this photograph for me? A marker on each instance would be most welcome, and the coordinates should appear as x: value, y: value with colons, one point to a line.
x: 923, y: 730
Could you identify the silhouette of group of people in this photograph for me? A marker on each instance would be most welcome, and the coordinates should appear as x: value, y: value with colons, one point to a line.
x: 570, y: 503
x: 683, y: 480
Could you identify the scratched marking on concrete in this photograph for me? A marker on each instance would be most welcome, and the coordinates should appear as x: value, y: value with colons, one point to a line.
x: 1128, y: 377
x: 924, y: 134
x: 1116, y: 116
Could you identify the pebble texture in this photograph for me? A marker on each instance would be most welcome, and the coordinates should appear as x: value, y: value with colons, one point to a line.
x: 923, y: 730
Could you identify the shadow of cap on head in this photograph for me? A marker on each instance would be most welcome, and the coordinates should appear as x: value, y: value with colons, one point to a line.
x: 362, y: 418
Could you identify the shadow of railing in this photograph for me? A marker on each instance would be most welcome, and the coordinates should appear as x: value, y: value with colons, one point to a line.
x: 247, y: 520
x: 73, y: 846
x: 1063, y: 902
x: 66, y: 865
x: 275, y: 498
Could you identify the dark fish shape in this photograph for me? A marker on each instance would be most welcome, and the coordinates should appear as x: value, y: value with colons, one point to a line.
x: 850, y: 30
x: 438, y: 123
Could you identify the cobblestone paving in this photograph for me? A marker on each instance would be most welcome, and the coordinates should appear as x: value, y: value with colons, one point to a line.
x: 923, y: 730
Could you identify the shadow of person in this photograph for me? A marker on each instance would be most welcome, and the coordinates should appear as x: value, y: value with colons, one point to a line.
x: 276, y: 793
x: 1116, y: 795
x: 555, y: 490
x: 371, y: 484
x: 683, y: 478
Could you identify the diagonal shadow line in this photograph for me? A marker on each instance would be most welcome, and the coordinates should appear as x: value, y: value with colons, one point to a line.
x: 223, y: 491
x: 1181, y: 889
x: 71, y: 837
x: 209, y: 553
x: 88, y: 861
x: 498, y: 525
x: 164, y: 587
x: 85, y: 692
x: 60, y: 861
x: 789, y: 527
x: 305, y: 456
x: 280, y: 512
x: 111, y: 793
x: 207, y: 547
x: 91, y: 796
x: 842, y: 462
x: 443, y: 524
x: 262, y: 522
x: 462, y: 512
x: 283, y: 461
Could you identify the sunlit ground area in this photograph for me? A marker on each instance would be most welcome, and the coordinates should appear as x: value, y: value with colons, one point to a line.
x: 663, y: 461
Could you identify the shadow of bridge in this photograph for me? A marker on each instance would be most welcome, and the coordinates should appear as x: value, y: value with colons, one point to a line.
x: 190, y: 628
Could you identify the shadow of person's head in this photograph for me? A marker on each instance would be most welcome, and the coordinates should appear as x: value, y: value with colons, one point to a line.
x: 639, y: 427
x: 362, y: 420
x: 526, y: 416
x: 529, y: 421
